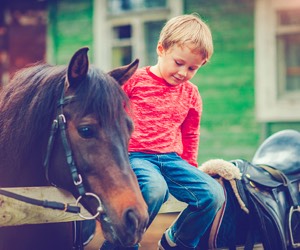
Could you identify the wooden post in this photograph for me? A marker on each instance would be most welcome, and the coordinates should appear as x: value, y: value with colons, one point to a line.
x: 14, y: 212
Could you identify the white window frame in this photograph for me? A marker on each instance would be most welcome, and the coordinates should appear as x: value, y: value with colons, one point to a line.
x: 104, y: 22
x: 270, y: 108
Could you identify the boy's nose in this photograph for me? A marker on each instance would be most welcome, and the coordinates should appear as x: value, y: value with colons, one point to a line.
x: 182, y: 73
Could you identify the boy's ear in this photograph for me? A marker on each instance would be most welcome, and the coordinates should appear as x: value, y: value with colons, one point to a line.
x: 159, y: 49
x: 204, y: 62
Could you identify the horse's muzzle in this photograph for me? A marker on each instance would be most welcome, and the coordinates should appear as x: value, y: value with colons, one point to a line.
x: 129, y: 232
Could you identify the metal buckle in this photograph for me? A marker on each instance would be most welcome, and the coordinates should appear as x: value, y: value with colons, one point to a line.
x: 76, y: 183
x: 99, y: 209
x: 292, y: 210
x: 63, y: 118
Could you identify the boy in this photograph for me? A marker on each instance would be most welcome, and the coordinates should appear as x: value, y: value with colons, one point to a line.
x: 166, y: 110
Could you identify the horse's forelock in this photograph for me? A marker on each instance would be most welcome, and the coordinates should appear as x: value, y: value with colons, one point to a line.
x: 102, y: 96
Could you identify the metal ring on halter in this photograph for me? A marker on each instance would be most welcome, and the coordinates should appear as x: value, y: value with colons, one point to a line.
x: 99, y: 209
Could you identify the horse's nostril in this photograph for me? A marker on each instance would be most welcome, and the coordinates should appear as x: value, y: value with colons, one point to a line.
x: 131, y: 220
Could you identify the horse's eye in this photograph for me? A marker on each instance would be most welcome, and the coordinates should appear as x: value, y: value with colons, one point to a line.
x: 86, y: 132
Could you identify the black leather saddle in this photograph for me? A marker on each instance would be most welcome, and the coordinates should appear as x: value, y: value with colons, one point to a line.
x: 273, y: 183
x: 282, y: 151
x: 270, y: 189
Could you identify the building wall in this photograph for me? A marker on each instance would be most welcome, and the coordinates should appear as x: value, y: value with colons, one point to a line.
x: 229, y: 127
x: 23, y: 28
x: 70, y: 28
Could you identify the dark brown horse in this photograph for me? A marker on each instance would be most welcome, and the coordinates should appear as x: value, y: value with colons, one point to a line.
x: 69, y: 126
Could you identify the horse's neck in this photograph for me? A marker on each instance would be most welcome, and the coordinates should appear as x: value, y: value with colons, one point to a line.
x: 35, y: 237
x: 15, y: 173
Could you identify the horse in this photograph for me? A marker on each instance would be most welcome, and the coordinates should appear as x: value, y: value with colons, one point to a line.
x: 69, y: 126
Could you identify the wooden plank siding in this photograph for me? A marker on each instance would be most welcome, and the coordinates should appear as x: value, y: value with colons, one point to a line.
x: 70, y: 27
x: 229, y: 128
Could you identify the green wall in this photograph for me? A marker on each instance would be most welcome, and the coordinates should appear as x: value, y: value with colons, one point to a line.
x: 70, y: 28
x: 228, y: 129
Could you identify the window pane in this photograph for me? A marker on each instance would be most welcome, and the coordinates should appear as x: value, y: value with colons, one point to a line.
x: 288, y: 51
x: 121, y: 56
x: 292, y: 52
x: 122, y: 32
x: 290, y: 17
x: 118, y: 6
x: 152, y: 30
x: 154, y: 4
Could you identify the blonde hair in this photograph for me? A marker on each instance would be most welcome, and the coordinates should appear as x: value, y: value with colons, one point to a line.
x: 188, y: 30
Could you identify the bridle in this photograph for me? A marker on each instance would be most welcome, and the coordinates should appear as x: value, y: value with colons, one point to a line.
x: 59, y: 124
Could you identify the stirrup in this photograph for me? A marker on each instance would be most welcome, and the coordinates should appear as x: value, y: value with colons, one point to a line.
x: 292, y: 211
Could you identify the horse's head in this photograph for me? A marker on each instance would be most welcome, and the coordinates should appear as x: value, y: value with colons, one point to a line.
x: 94, y: 132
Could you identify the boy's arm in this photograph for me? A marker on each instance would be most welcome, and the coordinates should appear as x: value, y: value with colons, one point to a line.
x: 190, y: 130
x: 190, y: 137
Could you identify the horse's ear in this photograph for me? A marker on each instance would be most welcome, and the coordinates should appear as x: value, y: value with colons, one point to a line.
x: 122, y: 74
x: 78, y: 67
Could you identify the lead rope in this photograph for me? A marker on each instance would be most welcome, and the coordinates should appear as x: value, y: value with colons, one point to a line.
x: 42, y: 203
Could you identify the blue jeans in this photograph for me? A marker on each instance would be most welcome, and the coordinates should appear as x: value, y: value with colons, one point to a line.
x: 162, y: 174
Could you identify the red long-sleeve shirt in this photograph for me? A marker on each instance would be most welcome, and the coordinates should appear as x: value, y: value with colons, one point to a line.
x: 166, y: 117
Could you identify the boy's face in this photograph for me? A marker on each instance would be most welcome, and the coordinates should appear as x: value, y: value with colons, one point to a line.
x: 178, y: 64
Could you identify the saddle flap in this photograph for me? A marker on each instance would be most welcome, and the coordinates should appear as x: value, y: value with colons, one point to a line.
x: 257, y: 175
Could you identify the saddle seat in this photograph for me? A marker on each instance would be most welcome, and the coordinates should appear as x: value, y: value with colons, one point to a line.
x: 281, y: 151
